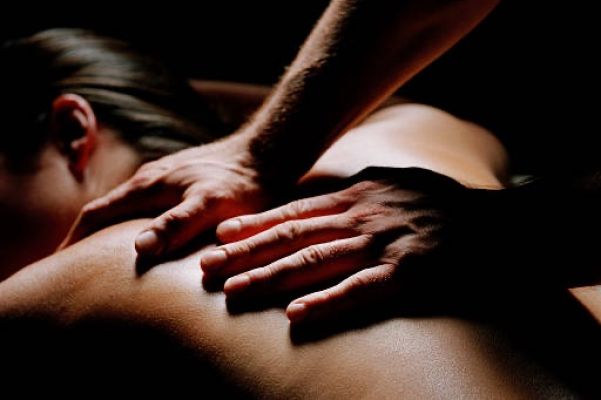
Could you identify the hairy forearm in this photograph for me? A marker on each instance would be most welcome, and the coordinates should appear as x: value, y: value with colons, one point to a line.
x: 357, y: 55
x: 236, y: 102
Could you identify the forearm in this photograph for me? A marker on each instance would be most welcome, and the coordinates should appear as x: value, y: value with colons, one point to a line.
x: 235, y: 102
x: 357, y: 55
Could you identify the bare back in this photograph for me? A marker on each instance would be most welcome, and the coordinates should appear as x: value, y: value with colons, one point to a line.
x: 99, y: 282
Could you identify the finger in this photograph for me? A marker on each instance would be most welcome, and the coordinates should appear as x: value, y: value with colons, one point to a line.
x: 116, y: 205
x: 307, y: 267
x: 368, y: 287
x: 274, y: 244
x: 246, y: 226
x: 178, y: 226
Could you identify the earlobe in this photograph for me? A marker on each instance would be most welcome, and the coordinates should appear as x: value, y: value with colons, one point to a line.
x: 75, y: 130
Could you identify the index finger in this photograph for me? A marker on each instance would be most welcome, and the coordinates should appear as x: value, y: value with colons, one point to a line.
x: 243, y: 227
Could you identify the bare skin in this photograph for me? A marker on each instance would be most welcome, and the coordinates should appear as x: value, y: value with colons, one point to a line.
x: 99, y: 279
x: 336, y: 235
x: 408, y: 358
x: 357, y: 55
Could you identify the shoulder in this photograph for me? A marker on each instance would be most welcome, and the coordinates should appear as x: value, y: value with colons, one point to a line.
x: 100, y: 274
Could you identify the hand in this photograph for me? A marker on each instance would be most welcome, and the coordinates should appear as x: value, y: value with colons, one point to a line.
x: 365, y: 237
x: 202, y: 185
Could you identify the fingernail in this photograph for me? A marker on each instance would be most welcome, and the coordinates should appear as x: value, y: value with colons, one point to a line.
x: 148, y: 243
x: 297, y: 312
x: 236, y: 284
x: 230, y: 227
x: 212, y: 259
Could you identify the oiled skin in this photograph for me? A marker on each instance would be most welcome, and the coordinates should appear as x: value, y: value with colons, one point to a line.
x: 398, y: 358
x: 106, y: 315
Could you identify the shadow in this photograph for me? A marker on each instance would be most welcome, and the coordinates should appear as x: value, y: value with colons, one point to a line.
x: 548, y: 327
x: 555, y: 330
x: 212, y: 284
x: 473, y: 280
x: 316, y: 330
x: 107, y: 355
x: 145, y: 263
x: 240, y: 305
x: 413, y: 301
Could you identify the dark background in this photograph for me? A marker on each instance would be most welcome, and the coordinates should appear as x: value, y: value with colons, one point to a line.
x: 528, y: 72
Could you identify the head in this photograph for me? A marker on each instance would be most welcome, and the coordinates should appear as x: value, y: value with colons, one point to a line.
x: 81, y: 114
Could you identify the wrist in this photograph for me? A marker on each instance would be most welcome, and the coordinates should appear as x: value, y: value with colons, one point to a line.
x: 252, y: 155
x: 278, y: 165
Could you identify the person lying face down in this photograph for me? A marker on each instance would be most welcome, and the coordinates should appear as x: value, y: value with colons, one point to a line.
x: 91, y: 134
x: 84, y: 112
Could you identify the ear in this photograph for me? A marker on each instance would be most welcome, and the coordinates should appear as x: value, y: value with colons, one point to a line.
x: 74, y: 127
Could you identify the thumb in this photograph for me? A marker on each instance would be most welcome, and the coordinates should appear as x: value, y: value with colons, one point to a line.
x: 121, y: 202
x: 176, y: 227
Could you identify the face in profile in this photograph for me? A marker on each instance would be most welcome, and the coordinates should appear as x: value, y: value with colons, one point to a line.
x: 36, y: 208
x: 96, y: 110
x: 40, y: 200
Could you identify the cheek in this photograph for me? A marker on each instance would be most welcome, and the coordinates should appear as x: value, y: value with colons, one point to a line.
x: 35, y: 213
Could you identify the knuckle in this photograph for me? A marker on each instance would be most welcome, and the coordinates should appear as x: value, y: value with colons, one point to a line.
x: 149, y: 166
x: 360, y: 280
x: 377, y: 208
x: 233, y: 225
x: 241, y: 249
x: 297, y: 207
x: 263, y: 274
x: 312, y: 255
x: 368, y: 240
x: 195, y: 204
x: 356, y: 219
x: 388, y: 279
x: 210, y: 201
x: 181, y: 214
x: 146, y: 176
x: 248, y: 222
x: 326, y: 296
x: 175, y: 219
x: 342, y: 197
x: 394, y: 256
x: 365, y: 214
x: 388, y: 271
x: 425, y: 221
x: 195, y: 197
x: 141, y: 180
x: 288, y: 231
